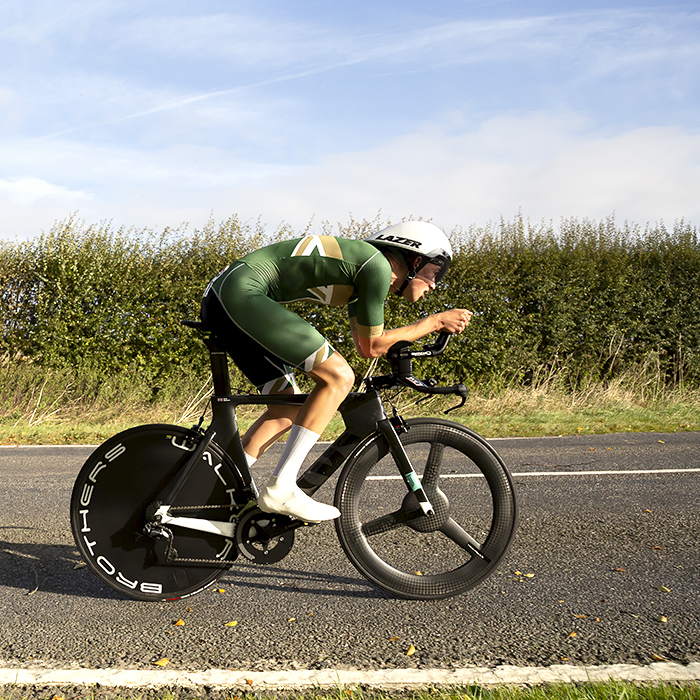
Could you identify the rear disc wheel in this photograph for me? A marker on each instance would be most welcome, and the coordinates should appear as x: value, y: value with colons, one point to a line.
x: 115, y: 496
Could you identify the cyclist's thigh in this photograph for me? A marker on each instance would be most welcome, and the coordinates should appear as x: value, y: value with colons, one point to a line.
x: 276, y: 328
x: 267, y: 372
x: 258, y: 330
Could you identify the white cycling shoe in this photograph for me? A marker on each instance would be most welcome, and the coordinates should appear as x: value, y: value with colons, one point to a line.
x: 278, y: 498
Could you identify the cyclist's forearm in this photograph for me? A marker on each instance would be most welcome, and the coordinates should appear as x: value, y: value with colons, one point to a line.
x: 377, y: 347
x: 452, y: 321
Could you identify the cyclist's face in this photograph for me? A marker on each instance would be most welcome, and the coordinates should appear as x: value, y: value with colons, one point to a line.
x: 416, y: 288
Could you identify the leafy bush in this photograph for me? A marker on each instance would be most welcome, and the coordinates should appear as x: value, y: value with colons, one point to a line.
x: 592, y: 299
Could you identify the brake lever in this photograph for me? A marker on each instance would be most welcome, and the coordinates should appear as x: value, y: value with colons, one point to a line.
x: 463, y: 392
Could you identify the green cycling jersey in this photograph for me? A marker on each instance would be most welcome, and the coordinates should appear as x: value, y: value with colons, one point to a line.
x: 319, y: 269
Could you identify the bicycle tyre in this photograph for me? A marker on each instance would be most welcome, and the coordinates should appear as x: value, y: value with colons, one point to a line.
x: 411, y: 555
x: 112, y: 492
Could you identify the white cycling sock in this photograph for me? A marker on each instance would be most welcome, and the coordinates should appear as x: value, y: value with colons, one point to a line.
x: 298, y: 446
x: 250, y: 460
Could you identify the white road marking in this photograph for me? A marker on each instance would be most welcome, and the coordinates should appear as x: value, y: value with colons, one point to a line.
x: 333, y: 678
x: 552, y: 473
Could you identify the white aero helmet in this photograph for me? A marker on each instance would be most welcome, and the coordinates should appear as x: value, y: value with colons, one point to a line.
x: 418, y: 238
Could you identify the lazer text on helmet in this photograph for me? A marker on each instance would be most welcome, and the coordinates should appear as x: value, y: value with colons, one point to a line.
x: 398, y: 239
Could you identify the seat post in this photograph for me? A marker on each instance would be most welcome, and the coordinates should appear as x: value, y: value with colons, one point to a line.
x: 224, y: 422
x: 219, y: 368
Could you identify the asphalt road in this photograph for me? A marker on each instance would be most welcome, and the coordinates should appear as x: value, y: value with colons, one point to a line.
x: 613, y: 555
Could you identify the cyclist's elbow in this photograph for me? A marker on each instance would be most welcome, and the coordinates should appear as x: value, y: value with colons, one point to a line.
x: 370, y: 348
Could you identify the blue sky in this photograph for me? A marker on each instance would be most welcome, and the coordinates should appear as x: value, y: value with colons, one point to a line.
x: 158, y: 113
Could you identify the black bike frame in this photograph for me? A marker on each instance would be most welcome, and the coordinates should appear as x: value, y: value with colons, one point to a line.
x: 362, y: 412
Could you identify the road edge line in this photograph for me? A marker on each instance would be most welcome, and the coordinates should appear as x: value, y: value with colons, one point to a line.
x: 388, y: 678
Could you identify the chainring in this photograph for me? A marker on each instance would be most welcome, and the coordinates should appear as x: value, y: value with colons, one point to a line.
x: 264, y: 538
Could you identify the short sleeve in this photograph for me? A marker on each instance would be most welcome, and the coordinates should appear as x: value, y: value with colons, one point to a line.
x: 372, y: 284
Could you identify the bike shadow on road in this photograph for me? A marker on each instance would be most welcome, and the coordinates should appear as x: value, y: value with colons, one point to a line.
x: 320, y: 583
x: 54, y: 568
x: 49, y: 568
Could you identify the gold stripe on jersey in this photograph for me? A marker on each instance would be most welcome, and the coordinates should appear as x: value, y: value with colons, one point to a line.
x: 280, y: 384
x: 366, y: 331
x: 327, y: 247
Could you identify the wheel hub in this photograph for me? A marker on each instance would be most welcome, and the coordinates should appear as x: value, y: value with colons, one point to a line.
x: 428, y: 523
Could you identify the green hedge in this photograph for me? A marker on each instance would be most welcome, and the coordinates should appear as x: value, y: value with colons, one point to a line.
x: 591, y: 299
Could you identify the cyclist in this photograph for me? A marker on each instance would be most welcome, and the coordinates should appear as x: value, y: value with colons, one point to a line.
x: 244, y: 306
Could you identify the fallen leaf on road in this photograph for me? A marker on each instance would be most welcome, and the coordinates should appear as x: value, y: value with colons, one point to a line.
x: 179, y: 623
x: 663, y: 589
x: 411, y: 650
x: 571, y: 635
x: 231, y: 624
x: 162, y: 662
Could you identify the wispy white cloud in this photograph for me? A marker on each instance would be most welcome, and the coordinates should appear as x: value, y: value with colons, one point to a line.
x: 613, y: 39
x: 31, y: 204
x: 545, y: 165
x: 30, y: 190
x: 548, y: 166
x: 160, y: 112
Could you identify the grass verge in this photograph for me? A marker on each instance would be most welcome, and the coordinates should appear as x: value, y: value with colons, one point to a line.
x: 63, y: 408
x: 585, y: 691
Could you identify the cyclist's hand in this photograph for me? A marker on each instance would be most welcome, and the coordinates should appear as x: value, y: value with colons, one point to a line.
x: 454, y: 320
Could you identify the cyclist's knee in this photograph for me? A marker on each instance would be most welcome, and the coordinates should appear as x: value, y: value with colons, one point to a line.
x: 335, y: 372
x: 346, y: 378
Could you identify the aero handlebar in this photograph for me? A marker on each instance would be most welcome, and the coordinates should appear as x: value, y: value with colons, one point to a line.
x: 400, y: 355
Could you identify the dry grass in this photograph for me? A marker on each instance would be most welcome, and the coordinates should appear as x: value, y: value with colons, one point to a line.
x: 64, y: 408
x: 638, y: 400
x: 610, y: 690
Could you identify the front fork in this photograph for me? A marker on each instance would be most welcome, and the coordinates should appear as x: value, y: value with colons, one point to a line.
x: 390, y: 429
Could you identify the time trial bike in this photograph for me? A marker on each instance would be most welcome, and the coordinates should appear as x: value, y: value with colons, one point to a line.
x: 428, y: 508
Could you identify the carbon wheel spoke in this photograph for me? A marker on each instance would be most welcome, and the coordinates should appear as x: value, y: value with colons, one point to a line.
x: 388, y: 522
x: 432, y: 466
x: 461, y: 537
x: 414, y: 555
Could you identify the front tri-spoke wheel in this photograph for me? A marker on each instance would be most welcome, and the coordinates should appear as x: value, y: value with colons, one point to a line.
x: 388, y: 538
